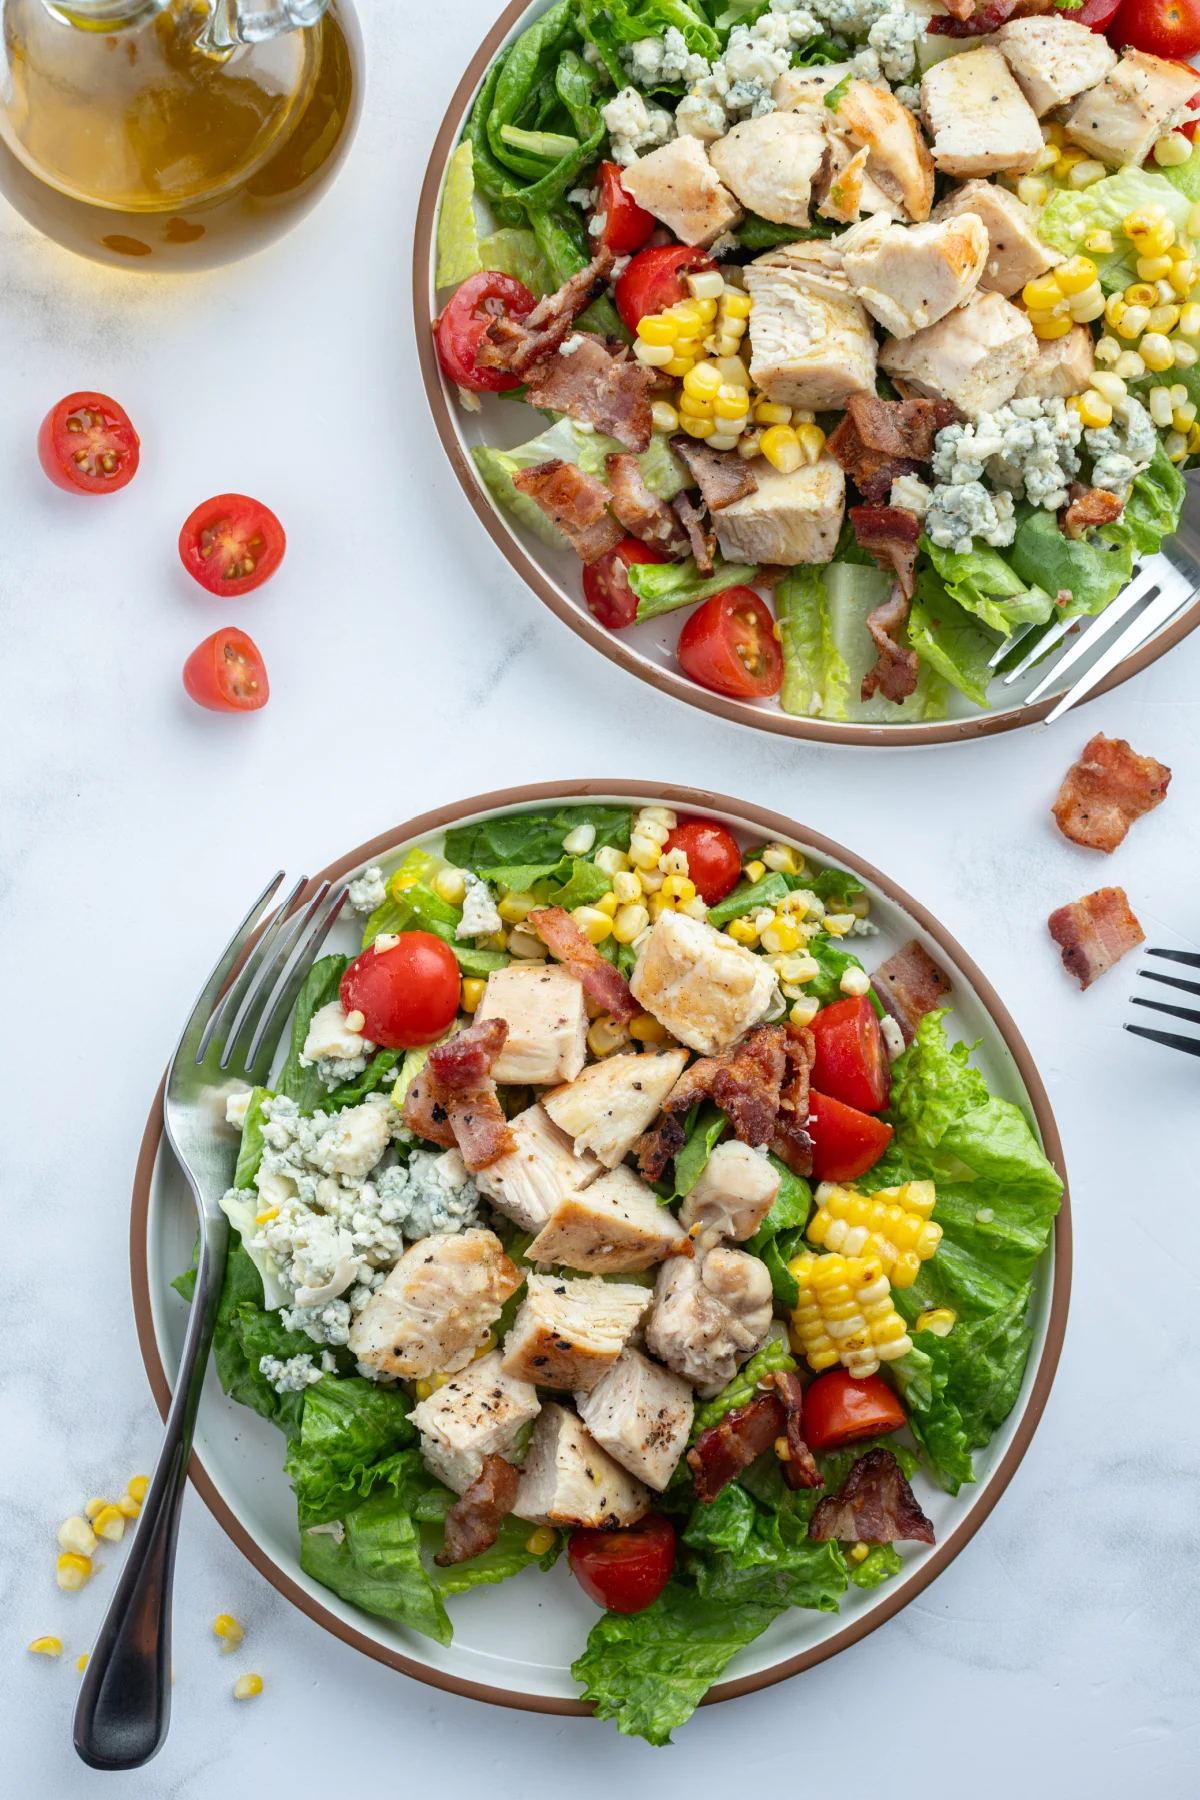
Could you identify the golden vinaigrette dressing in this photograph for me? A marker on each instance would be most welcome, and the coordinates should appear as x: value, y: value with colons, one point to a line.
x: 138, y: 147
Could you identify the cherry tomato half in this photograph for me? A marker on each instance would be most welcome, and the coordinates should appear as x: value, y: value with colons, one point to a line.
x: 624, y: 1570
x: 653, y: 280
x: 226, y: 673
x: 1095, y: 14
x: 729, y: 646
x: 838, y: 1409
x: 1168, y: 28
x: 407, y: 994
x: 846, y: 1142
x: 232, y: 544
x: 626, y: 224
x: 851, y: 1062
x: 87, y: 445
x: 610, y: 599
x: 714, y: 860
x: 459, y: 331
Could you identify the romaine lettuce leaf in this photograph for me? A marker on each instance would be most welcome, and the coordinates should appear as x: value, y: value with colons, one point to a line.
x: 777, y: 1564
x: 244, y: 1333
x: 789, y: 1209
x: 507, y: 1556
x: 881, y: 1562
x: 571, y: 881
x: 750, y: 897
x: 934, y: 1420
x: 834, y: 960
x: 516, y: 252
x: 983, y: 583
x: 304, y: 1085
x: 703, y: 1135
x: 458, y: 253
x: 662, y: 587
x: 355, y: 1091
x: 854, y: 590
x: 1093, y: 570
x: 418, y: 908
x: 1155, y: 503
x: 535, y: 837
x: 1070, y: 215
x: 816, y: 680
x: 347, y: 1426
x: 240, y: 1206
x: 942, y: 633
x: 250, y: 1151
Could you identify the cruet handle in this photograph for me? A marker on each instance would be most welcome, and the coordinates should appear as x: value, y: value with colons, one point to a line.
x: 233, y: 22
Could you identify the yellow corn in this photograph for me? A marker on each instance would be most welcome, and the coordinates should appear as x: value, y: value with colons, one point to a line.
x: 1159, y: 402
x: 1089, y: 305
x: 1115, y: 308
x: 260, y: 1218
x: 812, y: 442
x: 730, y: 403
x: 448, y: 885
x: 1083, y: 174
x: 698, y: 428
x: 594, y: 924
x: 845, y: 1313
x: 515, y: 908
x: 768, y: 412
x: 422, y: 1389
x: 77, y: 1535
x: 485, y: 1349
x: 678, y: 887
x: 110, y: 1524
x: 1153, y: 268
x: 1193, y: 440
x: 659, y: 328
x: 677, y: 365
x: 73, y: 1572
x: 736, y: 303
x: 541, y: 1540
x: 838, y: 924
x: 1182, y: 278
x: 1157, y: 352
x: 804, y: 1011
x: 1099, y: 241
x: 1068, y: 157
x: 893, y: 1224
x: 859, y: 1552
x: 1141, y: 293
x: 938, y: 1319
x: 247, y: 1687
x: 703, y: 382
x: 1047, y: 326
x: 647, y: 1030
x: 780, y: 937
x: 130, y: 1507
x: 1163, y: 318
x: 81, y: 1662
x: 607, y: 903
x: 750, y: 443
x: 1031, y: 190
x: 783, y: 859
x: 627, y: 886
x: 629, y: 922
x: 1093, y: 408
x: 1072, y: 276
x: 1184, y: 417
x: 1189, y: 321
x: 1043, y: 293
x: 1129, y: 366
x: 1054, y: 134
x: 755, y: 869
x: 47, y: 1646
x: 138, y: 1485
x: 94, y: 1506
x: 1132, y: 322
x: 228, y: 1630
x: 471, y: 993
x: 605, y: 1035
x: 781, y: 447
x: 1176, y: 446
x: 1172, y: 150
x: 690, y: 407
x: 742, y: 931
x: 663, y: 416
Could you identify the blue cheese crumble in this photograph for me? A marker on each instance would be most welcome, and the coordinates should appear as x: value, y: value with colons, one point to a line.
x: 959, y: 514
x: 338, y: 1051
x: 290, y: 1377
x: 480, y: 918
x: 633, y: 126
x: 434, y: 1195
x: 368, y: 891
x: 652, y: 61
x: 1123, y: 449
x: 1028, y: 449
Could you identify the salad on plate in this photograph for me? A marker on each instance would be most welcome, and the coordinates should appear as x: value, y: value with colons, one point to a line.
x: 605, y: 1206
x: 863, y: 333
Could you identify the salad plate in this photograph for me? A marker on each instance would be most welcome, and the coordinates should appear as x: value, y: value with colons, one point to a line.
x: 982, y: 601
x: 514, y: 1640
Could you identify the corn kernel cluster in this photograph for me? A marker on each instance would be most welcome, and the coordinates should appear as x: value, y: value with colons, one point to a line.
x: 893, y: 1225
x: 1064, y: 296
x: 845, y: 1314
x: 79, y: 1536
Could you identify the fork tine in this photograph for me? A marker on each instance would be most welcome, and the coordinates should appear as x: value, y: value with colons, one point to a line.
x: 1087, y: 640
x: 1189, y: 987
x: 239, y: 992
x: 1174, y: 594
x: 1190, y: 957
x: 1169, y: 1038
x: 1187, y: 1013
x: 210, y: 993
x: 270, y: 955
x: 270, y: 974
x: 1009, y: 645
x: 316, y: 929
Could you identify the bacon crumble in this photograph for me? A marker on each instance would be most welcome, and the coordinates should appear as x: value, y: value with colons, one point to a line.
x: 455, y: 1092
x: 875, y: 1505
x: 599, y: 386
x: 722, y: 476
x: 722, y: 1451
x: 1087, y: 507
x: 1106, y: 790
x: 643, y: 515
x: 473, y: 1522
x: 890, y: 535
x: 895, y: 672
x: 1094, y: 933
x: 600, y: 979
x: 876, y: 441
x: 575, y: 502
x: 703, y: 543
x: 516, y: 345
x: 910, y: 984
x: 800, y: 1470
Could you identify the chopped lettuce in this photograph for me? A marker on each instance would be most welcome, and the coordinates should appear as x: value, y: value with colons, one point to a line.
x: 250, y: 1150
x: 1093, y: 570
x: 662, y: 471
x: 757, y: 233
x: 458, y: 253
x: 776, y: 1563
x: 1070, y: 215
x: 881, y: 1562
x: 789, y: 1209
x: 816, y: 680
x: 516, y: 252
x: 244, y: 1333
x: 535, y: 837
x: 941, y: 632
x: 628, y: 22
x: 298, y: 1083
x: 766, y: 891
x: 1186, y: 176
x: 983, y: 583
x: 507, y: 1556
x: 417, y: 908
x: 240, y: 1207
x: 854, y: 590
x: 834, y: 960
x: 347, y: 1426
x: 933, y: 1418
x: 1155, y: 503
x: 704, y: 1133
x: 571, y: 881
x: 662, y: 587
x: 773, y: 1355
x: 381, y: 1065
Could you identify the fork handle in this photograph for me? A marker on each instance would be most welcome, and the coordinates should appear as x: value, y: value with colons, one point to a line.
x: 124, y: 1705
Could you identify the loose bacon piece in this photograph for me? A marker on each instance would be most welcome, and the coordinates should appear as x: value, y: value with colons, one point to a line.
x: 744, y: 1083
x: 424, y: 1112
x: 465, y: 1060
x: 875, y: 1505
x: 605, y: 984
x: 657, y: 1147
x: 721, y: 475
x: 800, y: 1470
x: 896, y: 670
x: 1106, y: 790
x: 726, y: 1448
x: 889, y: 534
x: 642, y: 515
x: 910, y: 984
x: 473, y: 1522
x: 792, y: 1143
x: 575, y: 502
x: 1088, y: 507
x: 515, y: 345
x: 602, y: 389
x: 703, y: 543
x: 878, y: 440
x: 1094, y: 933
x: 456, y: 1083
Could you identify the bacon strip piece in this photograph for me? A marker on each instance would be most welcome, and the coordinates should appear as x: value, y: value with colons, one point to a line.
x: 721, y: 475
x: 875, y: 1505
x: 1106, y: 790
x: 745, y: 1083
x: 889, y: 534
x: 424, y: 1112
x: 455, y: 1088
x: 604, y: 390
x: 988, y: 18
x: 732, y: 1444
x: 642, y: 515
x: 910, y: 984
x: 601, y: 980
x: 515, y: 345
x: 473, y: 1522
x: 575, y: 502
x: 800, y: 1470
x: 896, y: 670
x: 791, y: 1142
x: 702, y: 542
x: 657, y: 1147
x: 465, y: 1060
x: 1087, y: 507
x: 1094, y: 933
x: 878, y: 440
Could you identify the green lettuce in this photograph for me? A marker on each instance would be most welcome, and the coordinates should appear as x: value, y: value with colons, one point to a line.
x: 458, y: 253
x: 881, y: 1562
x: 776, y: 1562
x: 507, y: 1556
x: 816, y: 680
x: 703, y: 1135
x: 250, y: 1151
x: 922, y: 1378
x: 834, y: 961
x: 662, y: 587
x: 355, y: 1091
x: 951, y: 639
x: 535, y: 837
x: 983, y: 583
x: 1093, y: 570
x: 768, y: 890
x: 1071, y: 214
x: 241, y: 1207
x: 789, y: 1209
x: 1153, y: 508
x: 516, y: 252
x: 347, y: 1426
x: 244, y: 1333
x: 661, y: 470
x: 757, y: 233
x: 738, y: 1392
x: 569, y: 882
x: 304, y: 1085
x: 418, y: 908
x: 853, y: 590
x: 627, y: 23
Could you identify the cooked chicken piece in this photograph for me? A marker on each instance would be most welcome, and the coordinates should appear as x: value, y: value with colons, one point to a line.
x: 842, y: 190
x: 899, y: 164
x: 704, y: 988
x: 476, y: 1414
x: 542, y: 1168
x: 679, y: 185
x: 614, y: 1101
x: 641, y: 1414
x: 733, y: 1196
x: 569, y: 1330
x: 1015, y: 251
x: 802, y: 90
x: 569, y: 1480
x: 769, y: 164
x: 794, y: 518
x: 979, y: 117
x: 437, y: 1305
x: 710, y: 1313
x: 1053, y: 58
x: 1119, y: 120
x: 975, y: 356
x: 911, y: 276
x: 543, y: 1005
x: 614, y: 1226
x: 1064, y: 366
x: 811, y: 341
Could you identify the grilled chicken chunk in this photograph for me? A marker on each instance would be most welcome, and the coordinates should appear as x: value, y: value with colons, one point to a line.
x: 1120, y: 119
x: 705, y: 989
x: 476, y: 1414
x: 679, y: 185
x: 612, y: 1102
x: 980, y: 119
x: 791, y: 519
x: 899, y: 162
x: 770, y: 164
x: 542, y: 1168
x: 975, y: 356
x: 616, y: 1225
x: 1064, y: 366
x: 1053, y: 58
x: 437, y: 1305
x: 804, y: 89
x: 811, y: 341
x: 1016, y: 254
x: 733, y: 1196
x: 641, y: 1414
x: 543, y: 1006
x: 569, y: 1330
x: 569, y: 1480
x: 909, y: 277
x: 710, y: 1313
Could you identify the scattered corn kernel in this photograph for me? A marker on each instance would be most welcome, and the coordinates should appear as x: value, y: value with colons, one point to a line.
x: 47, y: 1646
x: 780, y: 937
x: 938, y: 1319
x: 1184, y: 417
x: 1048, y: 326
x: 81, y: 1662
x: 782, y: 449
x: 804, y: 1011
x: 1176, y: 446
x: 131, y: 1508
x: 663, y: 416
x: 1094, y: 409
x: 594, y: 924
x: 607, y: 903
x: 626, y: 886
x: 646, y: 1029
x: 515, y: 908
x: 1043, y: 293
x: 629, y: 922
x: 1129, y: 366
x: 471, y: 993
x: 783, y: 859
x: 605, y: 1035
x: 448, y: 885
x: 1111, y: 386
x: 768, y: 412
x: 859, y: 1552
x: 1070, y: 277
x: 611, y: 860
x: 706, y: 284
x: 855, y: 981
x: 697, y: 428
x: 1159, y: 401
x: 1068, y: 158
x: 94, y: 1506
x: 110, y: 1524
x: 1162, y: 318
x: 543, y: 1539
x: 228, y: 1629
x: 1115, y: 308
x: 76, y: 1534
x: 812, y: 442
x: 742, y: 931
x: 1179, y: 394
x: 1157, y: 351
x: 755, y: 869
x: 247, y: 1687
x: 1151, y: 268
x: 838, y: 924
x: 1132, y: 322
x: 1099, y: 241
x: 422, y: 1389
x: 1182, y: 278
x: 73, y: 1572
x: 1030, y: 189
x: 485, y: 1349
x: 1172, y: 150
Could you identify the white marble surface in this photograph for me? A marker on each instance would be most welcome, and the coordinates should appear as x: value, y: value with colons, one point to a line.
x: 1059, y: 1655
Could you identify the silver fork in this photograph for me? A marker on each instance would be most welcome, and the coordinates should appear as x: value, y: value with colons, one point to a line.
x: 1173, y: 1040
x: 124, y: 1706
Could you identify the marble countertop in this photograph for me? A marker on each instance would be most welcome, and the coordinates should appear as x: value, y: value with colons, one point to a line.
x: 1059, y: 1654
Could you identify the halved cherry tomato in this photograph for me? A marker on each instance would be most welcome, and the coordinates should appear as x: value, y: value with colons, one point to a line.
x: 459, y: 331
x: 407, y: 994
x: 1095, y: 14
x: 232, y: 544
x: 1189, y: 128
x: 846, y: 1142
x: 851, y: 1062
x: 226, y: 673
x: 653, y: 280
x: 626, y: 224
x: 729, y: 646
x: 838, y: 1409
x: 1168, y: 28
x: 625, y: 1570
x: 606, y: 585
x: 87, y: 445
x: 714, y: 860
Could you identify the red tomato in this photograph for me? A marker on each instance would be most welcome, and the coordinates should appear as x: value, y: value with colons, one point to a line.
x: 625, y: 1570
x: 653, y: 282
x: 729, y: 645
x: 626, y: 224
x: 714, y: 860
x: 226, y: 673
x: 1189, y: 129
x: 838, y: 1409
x: 408, y: 994
x: 851, y: 1063
x: 232, y: 544
x: 846, y: 1142
x: 1095, y: 14
x: 1169, y: 28
x: 87, y: 445
x: 467, y: 315
x: 606, y: 585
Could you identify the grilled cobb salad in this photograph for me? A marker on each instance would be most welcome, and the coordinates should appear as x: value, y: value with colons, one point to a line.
x: 604, y: 1203
x: 885, y: 309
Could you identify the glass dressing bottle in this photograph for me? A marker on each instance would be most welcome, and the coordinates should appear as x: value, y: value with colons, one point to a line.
x: 173, y: 134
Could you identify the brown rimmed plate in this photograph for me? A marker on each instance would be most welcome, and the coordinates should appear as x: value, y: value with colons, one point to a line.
x: 514, y: 1642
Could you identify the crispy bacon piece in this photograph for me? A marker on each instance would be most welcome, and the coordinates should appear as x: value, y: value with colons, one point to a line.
x: 791, y: 1142
x: 473, y: 1522
x: 703, y: 543
x: 726, y: 1448
x: 800, y: 1470
x: 424, y: 1112
x: 1087, y: 507
x: 721, y: 475
x: 1106, y: 790
x: 910, y: 984
x: 642, y: 515
x: 877, y: 440
x: 745, y: 1083
x: 770, y: 575
x: 897, y: 667
x: 1094, y: 933
x: 875, y: 1505
x: 515, y: 345
x: 603, y: 389
x: 657, y: 1147
x: 455, y: 1088
x: 575, y: 502
x: 605, y: 984
x: 889, y: 534
x: 465, y: 1060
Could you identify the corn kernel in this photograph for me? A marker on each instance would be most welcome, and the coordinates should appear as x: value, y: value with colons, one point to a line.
x: 611, y: 860
x: 247, y: 1687
x: 1087, y: 306
x: 767, y: 412
x: 1054, y: 134
x: 1047, y: 326
x: 422, y: 1389
x: 1189, y: 321
x: 736, y: 303
x: 698, y: 428
x: 76, y: 1534
x: 1151, y: 268
x: 756, y: 869
x: 1094, y: 409
x: 630, y: 921
x: 1084, y: 174
x: 1184, y: 417
x: 1173, y: 150
x: 46, y: 1646
x: 678, y: 887
x: 804, y: 1011
x: 706, y: 284
x: 812, y: 442
x: 1111, y: 386
x: 783, y: 859
x: 110, y: 1524
x: 1068, y: 158
x: 658, y: 328
x: 1176, y: 446
x: 605, y: 1035
x: 646, y: 1029
x: 1193, y: 440
x: 780, y: 937
x: 1115, y: 308
x: 228, y: 1629
x: 855, y: 982
x: 655, y: 356
x: 1070, y: 277
x: 692, y: 408
x: 131, y: 1508
x: 703, y: 382
x: 1178, y: 393
x: 543, y: 1539
x: 731, y: 405
x: 1162, y: 318
x: 514, y: 909
x: 650, y: 879
x: 471, y: 993
x: 594, y: 924
x: 73, y: 1572
x: 81, y: 1662
x: 485, y: 1349
x: 781, y: 447
x: 750, y: 443
x: 1129, y: 366
x: 1030, y: 189
x: 138, y: 1485
x: 859, y: 1552
x: 448, y: 885
x: 1182, y: 278
x: 95, y: 1505
x: 1043, y: 293
x: 1156, y: 351
x: 1159, y: 402
x: 1132, y: 322
x: 663, y: 416
x: 1099, y: 241
x: 678, y: 365
x: 838, y: 924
